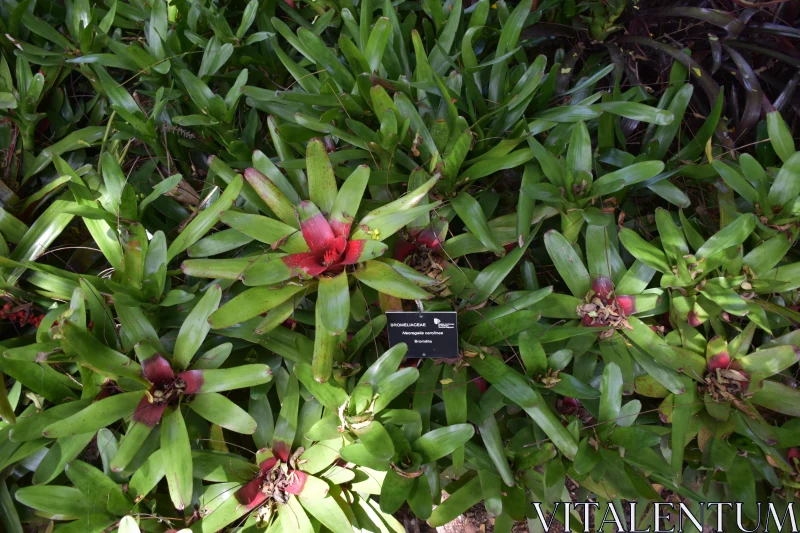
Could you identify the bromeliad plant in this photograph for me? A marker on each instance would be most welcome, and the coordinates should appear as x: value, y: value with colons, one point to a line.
x: 148, y: 395
x: 774, y: 196
x: 390, y: 441
x: 327, y: 247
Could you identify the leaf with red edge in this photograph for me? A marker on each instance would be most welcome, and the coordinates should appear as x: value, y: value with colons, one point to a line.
x: 316, y: 230
x: 348, y: 200
x: 306, y: 487
x: 321, y: 179
x: 304, y: 264
x: 272, y: 196
x: 157, y: 369
x: 222, y: 505
x: 358, y: 251
x: 148, y: 413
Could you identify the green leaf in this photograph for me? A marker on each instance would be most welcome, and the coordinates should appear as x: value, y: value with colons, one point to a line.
x: 493, y: 275
x: 96, y: 355
x: 65, y: 502
x: 508, y: 40
x: 251, y: 303
x: 348, y: 199
x: 321, y: 180
x: 736, y: 181
x: 260, y: 228
x: 12, y: 228
x: 610, y: 398
x: 215, y: 56
x: 769, y: 361
x: 324, y: 57
x: 408, y: 111
x: 327, y: 394
x: 333, y: 302
x: 98, y: 490
x: 470, y: 212
x: 7, y: 101
x: 159, y: 190
x: 325, y: 344
x: 637, y: 111
x: 96, y: 416
x: 239, y: 377
x: 385, y: 365
x: 579, y: 151
x: 779, y: 398
x: 733, y: 234
x: 462, y: 499
x: 270, y: 192
x: 387, y: 280
x: 128, y: 523
x: 683, y: 410
x: 395, y: 491
x: 568, y: 264
x: 376, y: 439
x: 376, y: 44
x: 219, y: 410
x: 786, y: 187
x: 328, y: 513
x: 643, y: 251
x: 205, y: 220
x: 195, y: 328
x: 780, y: 136
x: 514, y: 387
x: 443, y: 441
x: 625, y: 177
x: 651, y: 343
x: 177, y: 458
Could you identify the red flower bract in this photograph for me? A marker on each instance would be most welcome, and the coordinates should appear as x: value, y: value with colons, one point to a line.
x: 427, y: 239
x: 603, y: 286
x: 329, y: 249
x: 271, y: 480
x: 165, y: 387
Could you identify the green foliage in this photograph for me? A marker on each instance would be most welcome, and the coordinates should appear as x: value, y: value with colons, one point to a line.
x: 207, y: 210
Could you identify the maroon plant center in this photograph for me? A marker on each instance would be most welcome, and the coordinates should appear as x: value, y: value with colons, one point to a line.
x: 165, y: 389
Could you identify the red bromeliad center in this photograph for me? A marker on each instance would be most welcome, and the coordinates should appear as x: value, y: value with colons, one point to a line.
x: 329, y: 249
x: 423, y: 241
x: 165, y: 388
x: 271, y: 481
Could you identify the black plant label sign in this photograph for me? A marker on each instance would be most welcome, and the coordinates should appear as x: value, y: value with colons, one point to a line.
x: 433, y: 334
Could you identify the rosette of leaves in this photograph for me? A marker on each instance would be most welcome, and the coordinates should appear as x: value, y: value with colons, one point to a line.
x: 382, y: 436
x: 772, y: 194
x: 400, y: 110
x: 147, y: 395
x: 297, y: 482
x: 323, y: 249
x: 568, y: 183
x: 78, y: 352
